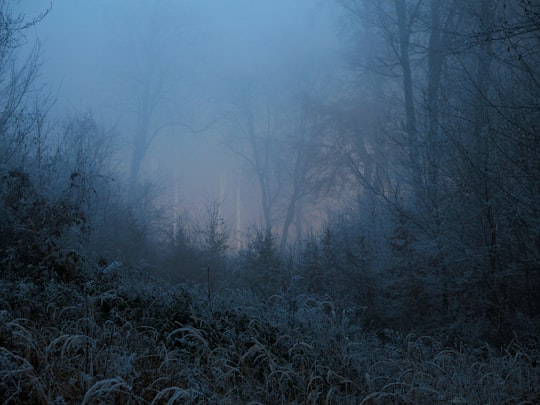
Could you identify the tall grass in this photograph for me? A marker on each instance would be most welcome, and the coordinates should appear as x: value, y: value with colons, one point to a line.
x: 148, y: 343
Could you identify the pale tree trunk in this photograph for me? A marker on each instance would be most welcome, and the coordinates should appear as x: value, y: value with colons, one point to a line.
x: 260, y: 160
x: 304, y: 161
x: 147, y: 103
x: 238, y: 215
x: 137, y: 156
x: 293, y: 201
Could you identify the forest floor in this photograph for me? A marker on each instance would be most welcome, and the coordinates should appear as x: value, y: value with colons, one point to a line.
x: 119, y: 335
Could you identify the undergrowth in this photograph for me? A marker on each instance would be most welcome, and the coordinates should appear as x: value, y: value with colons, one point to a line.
x: 96, y: 340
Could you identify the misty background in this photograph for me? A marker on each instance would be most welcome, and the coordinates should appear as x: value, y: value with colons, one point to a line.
x: 270, y: 201
x: 394, y: 141
x: 193, y: 63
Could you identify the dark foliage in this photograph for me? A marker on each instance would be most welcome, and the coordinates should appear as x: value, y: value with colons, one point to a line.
x: 31, y: 228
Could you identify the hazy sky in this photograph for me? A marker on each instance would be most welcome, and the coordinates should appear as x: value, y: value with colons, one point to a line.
x: 84, y: 43
x: 95, y: 53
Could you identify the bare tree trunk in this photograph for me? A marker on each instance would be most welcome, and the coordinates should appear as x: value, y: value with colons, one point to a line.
x: 238, y: 215
x: 261, y: 161
x: 436, y: 55
x: 291, y: 211
x: 145, y: 108
x: 482, y: 135
x: 137, y: 156
x: 404, y: 27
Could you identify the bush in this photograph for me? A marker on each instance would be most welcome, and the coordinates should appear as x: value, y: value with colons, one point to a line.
x: 32, y: 226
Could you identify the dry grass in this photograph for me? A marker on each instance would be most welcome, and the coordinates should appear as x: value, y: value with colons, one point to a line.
x: 102, y: 342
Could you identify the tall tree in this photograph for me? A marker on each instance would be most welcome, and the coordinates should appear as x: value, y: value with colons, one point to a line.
x: 154, y: 40
x: 467, y: 73
x: 307, y: 173
x: 257, y: 126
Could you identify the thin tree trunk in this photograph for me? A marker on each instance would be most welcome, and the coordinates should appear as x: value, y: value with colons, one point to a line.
x: 141, y: 143
x: 436, y: 56
x: 481, y: 133
x: 291, y: 210
x: 411, y: 128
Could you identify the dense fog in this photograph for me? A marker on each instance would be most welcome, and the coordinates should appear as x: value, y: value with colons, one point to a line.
x: 269, y: 202
x: 194, y: 63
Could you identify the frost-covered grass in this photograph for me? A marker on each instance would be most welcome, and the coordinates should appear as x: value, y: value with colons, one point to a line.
x: 99, y: 341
